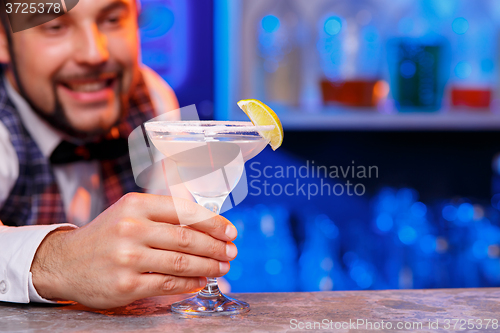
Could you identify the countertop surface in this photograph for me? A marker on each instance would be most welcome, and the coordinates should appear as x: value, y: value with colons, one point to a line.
x: 339, y: 311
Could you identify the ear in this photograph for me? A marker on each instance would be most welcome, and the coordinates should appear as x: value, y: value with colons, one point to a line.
x: 4, y: 46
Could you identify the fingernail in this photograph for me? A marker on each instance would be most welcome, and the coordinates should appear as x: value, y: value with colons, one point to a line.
x: 223, y: 267
x: 203, y: 282
x: 231, y: 231
x: 231, y: 251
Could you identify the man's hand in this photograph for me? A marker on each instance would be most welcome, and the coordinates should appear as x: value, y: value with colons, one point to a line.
x: 135, y: 249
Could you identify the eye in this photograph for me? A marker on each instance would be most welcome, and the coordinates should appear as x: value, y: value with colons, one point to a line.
x: 113, y: 20
x: 54, y: 27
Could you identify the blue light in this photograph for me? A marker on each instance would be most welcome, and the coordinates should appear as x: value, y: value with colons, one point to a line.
x: 449, y: 213
x: 350, y: 258
x: 407, y: 69
x: 270, y: 23
x: 336, y: 58
x: 166, y: 23
x: 236, y: 270
x: 155, y: 58
x: 460, y: 25
x: 480, y: 249
x: 267, y: 225
x: 422, y: 268
x: 333, y: 25
x: 155, y: 21
x: 428, y: 244
x: 441, y: 8
x: 364, y: 281
x: 370, y: 34
x: 356, y: 271
x: 495, y: 201
x: 487, y: 65
x: 326, y: 225
x: 418, y: 209
x: 463, y: 69
x: 465, y: 212
x: 273, y: 266
x: 406, y: 195
x: 361, y: 276
x: 266, y: 41
x: 490, y: 234
x: 407, y: 235
x: 388, y: 201
x: 405, y: 25
x: 384, y: 222
x: 492, y: 270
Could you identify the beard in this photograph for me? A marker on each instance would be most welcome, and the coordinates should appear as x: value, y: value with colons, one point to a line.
x: 58, y: 118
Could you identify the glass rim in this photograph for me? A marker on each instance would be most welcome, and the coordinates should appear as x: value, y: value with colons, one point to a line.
x: 205, y: 126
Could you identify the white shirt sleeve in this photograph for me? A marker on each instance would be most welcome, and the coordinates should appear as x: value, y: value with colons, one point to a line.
x: 18, y: 248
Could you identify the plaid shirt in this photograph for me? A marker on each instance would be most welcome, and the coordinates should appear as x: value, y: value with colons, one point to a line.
x: 35, y: 197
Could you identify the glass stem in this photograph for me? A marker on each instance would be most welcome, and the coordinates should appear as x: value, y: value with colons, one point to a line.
x: 211, y: 289
x: 212, y: 206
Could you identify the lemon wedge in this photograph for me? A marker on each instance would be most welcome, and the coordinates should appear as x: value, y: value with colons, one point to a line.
x: 260, y: 114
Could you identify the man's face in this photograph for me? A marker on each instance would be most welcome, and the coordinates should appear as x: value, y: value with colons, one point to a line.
x: 81, y: 64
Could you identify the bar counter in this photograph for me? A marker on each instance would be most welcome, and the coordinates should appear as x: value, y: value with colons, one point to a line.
x: 338, y: 311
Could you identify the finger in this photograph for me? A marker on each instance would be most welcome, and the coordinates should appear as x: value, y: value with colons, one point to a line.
x: 186, y: 240
x: 162, y: 208
x: 182, y: 264
x: 197, y: 217
x: 158, y: 284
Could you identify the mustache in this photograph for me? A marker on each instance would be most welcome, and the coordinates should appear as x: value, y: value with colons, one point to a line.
x: 90, y: 75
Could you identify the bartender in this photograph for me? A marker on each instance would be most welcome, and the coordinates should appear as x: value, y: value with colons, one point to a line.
x: 73, y: 226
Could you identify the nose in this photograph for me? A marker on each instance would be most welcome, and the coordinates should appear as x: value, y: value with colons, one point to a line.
x: 92, y: 48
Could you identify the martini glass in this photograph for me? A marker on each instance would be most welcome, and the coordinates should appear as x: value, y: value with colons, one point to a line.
x: 210, y: 157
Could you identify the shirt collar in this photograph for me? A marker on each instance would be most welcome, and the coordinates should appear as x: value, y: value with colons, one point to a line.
x: 46, y: 137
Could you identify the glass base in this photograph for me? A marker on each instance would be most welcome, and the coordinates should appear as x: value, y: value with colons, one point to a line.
x: 217, y: 305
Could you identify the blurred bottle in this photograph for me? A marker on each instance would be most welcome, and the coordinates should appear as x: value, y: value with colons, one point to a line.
x: 349, y: 48
x: 267, y: 253
x: 164, y: 39
x: 419, y: 54
x: 311, y: 99
x: 407, y: 251
x: 277, y: 78
x: 280, y: 258
x: 473, y: 38
x: 320, y: 268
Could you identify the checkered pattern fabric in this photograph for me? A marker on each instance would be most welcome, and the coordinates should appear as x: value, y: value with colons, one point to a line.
x: 35, y: 197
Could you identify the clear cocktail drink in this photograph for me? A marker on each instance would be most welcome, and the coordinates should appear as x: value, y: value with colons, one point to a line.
x: 210, y: 157
x: 196, y: 156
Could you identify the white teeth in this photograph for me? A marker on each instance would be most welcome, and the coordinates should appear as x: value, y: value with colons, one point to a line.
x: 87, y: 87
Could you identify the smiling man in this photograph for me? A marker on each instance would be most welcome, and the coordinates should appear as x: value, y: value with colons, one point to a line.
x: 79, y: 66
x: 72, y: 90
